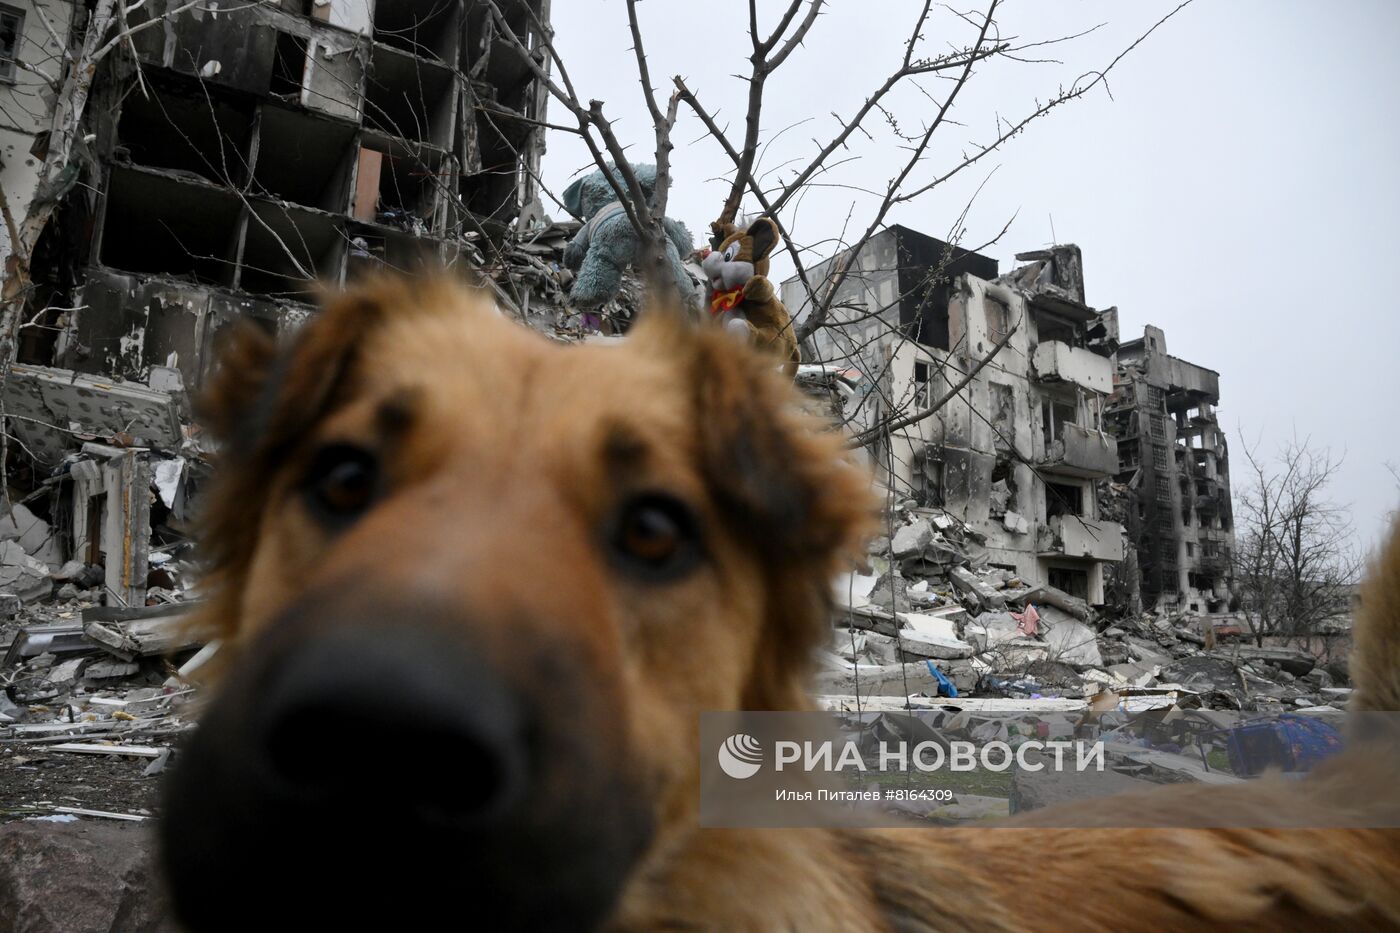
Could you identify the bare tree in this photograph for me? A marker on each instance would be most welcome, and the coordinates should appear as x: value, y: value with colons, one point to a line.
x: 875, y: 121
x: 1296, y: 557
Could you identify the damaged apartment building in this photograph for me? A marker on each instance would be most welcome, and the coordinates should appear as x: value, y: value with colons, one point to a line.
x: 237, y: 154
x: 1017, y: 453
x: 1057, y: 424
x: 1174, y: 461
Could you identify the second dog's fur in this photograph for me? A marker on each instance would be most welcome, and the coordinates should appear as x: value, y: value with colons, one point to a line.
x: 475, y: 590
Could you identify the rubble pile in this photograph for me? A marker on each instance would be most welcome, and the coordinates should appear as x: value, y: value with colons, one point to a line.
x: 530, y: 277
x: 929, y: 622
x: 95, y: 574
x: 91, y: 704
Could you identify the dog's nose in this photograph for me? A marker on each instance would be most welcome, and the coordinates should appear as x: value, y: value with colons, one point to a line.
x: 363, y: 764
x: 393, y: 712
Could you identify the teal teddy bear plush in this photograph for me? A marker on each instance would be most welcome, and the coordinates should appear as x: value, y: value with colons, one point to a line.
x: 607, y: 244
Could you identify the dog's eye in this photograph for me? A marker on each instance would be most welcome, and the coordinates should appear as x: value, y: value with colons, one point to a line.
x: 342, y: 482
x: 656, y: 536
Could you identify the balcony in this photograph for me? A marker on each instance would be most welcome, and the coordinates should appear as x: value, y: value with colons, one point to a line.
x: 1072, y: 536
x: 1082, y: 453
x: 1056, y: 361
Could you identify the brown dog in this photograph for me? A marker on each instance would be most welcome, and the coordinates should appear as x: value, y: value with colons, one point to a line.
x: 476, y: 588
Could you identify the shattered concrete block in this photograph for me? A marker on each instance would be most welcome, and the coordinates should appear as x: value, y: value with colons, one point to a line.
x: 1049, y: 595
x: 110, y: 669
x: 911, y: 540
x: 914, y: 642
x: 32, y: 533
x: 930, y: 626
x: 968, y: 583
x: 853, y: 589
x: 1015, y: 523
x: 22, y: 575
x: 991, y: 630
x: 66, y: 672
x: 68, y: 571
x: 889, y: 592
x: 1070, y: 641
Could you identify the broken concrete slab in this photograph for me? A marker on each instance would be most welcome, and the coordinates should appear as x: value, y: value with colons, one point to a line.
x: 915, y: 643
x: 22, y: 575
x: 32, y: 533
x: 911, y: 540
x: 991, y: 629
x: 853, y: 589
x: 142, y: 632
x: 971, y: 585
x: 1050, y: 596
x: 930, y: 625
x: 912, y: 645
x: 1070, y: 641
x: 50, y: 406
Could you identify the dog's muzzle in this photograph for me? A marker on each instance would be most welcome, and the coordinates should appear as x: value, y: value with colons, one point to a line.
x: 367, y: 769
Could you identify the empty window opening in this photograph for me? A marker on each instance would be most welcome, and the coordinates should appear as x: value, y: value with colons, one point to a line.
x: 179, y: 128
x: 1048, y: 327
x: 1063, y: 499
x: 288, y: 67
x: 166, y: 226
x: 1073, y: 582
x: 426, y: 28
x: 921, y: 380
x: 304, y: 159
x: 11, y: 33
x: 408, y: 97
x: 1054, y: 416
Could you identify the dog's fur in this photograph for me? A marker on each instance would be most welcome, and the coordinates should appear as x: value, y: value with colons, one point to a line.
x: 505, y: 454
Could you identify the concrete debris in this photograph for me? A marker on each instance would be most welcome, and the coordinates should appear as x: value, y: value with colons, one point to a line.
x: 22, y: 575
x: 929, y: 594
x: 911, y: 540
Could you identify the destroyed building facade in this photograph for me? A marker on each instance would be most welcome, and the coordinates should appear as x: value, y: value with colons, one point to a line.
x: 236, y: 157
x: 1017, y: 452
x: 1175, y: 461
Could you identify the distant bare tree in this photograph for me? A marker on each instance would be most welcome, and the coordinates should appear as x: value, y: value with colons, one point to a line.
x: 1296, y: 553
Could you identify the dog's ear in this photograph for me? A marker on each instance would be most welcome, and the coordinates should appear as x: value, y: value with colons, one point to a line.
x: 260, y: 402
x: 262, y: 398
x: 782, y: 480
x: 246, y: 355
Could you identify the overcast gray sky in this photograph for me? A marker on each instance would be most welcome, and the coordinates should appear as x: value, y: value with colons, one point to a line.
x: 1241, y: 189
